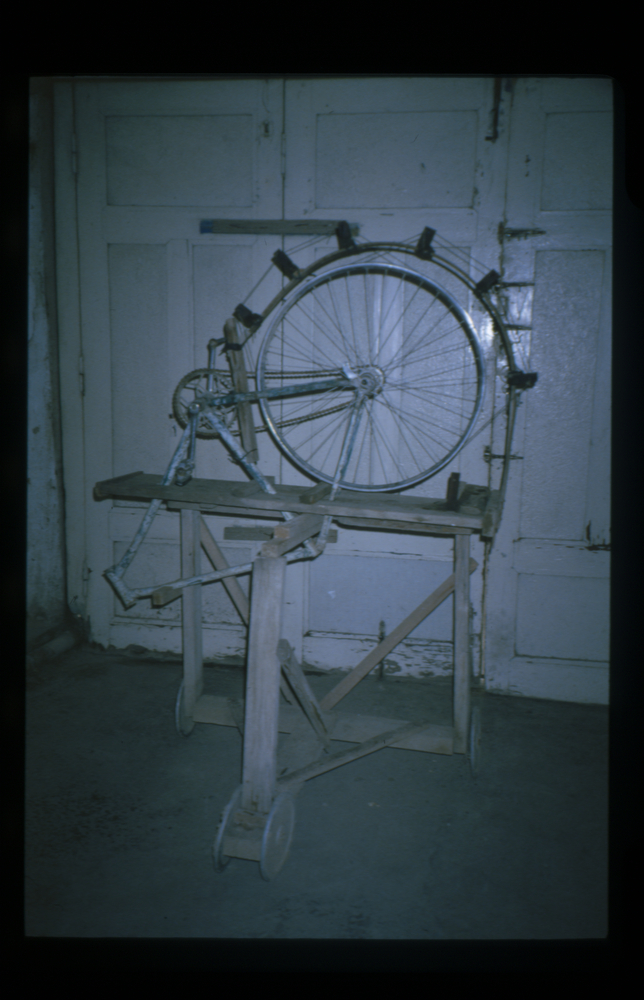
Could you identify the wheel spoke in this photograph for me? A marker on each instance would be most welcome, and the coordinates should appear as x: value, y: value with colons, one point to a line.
x: 416, y: 355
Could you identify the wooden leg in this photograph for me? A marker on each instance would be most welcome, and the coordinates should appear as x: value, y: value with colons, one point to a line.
x: 262, y: 685
x: 191, y: 613
x: 461, y: 641
x: 237, y: 595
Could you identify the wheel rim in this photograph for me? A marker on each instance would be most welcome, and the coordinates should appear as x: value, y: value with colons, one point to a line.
x: 474, y: 748
x: 221, y: 860
x: 409, y: 339
x: 179, y: 720
x: 277, y: 836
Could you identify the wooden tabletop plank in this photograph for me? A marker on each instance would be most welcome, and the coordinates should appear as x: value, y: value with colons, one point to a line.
x: 218, y: 496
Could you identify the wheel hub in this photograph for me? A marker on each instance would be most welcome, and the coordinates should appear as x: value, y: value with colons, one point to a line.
x: 370, y: 379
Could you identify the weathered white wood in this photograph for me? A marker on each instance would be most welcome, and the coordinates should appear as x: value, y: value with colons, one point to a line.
x: 243, y: 844
x: 279, y: 227
x: 164, y: 595
x: 373, y: 658
x: 299, y: 527
x: 315, y: 493
x: 302, y: 690
x: 250, y: 489
x: 332, y: 761
x: 236, y: 594
x: 492, y: 514
x: 287, y: 536
x: 301, y: 747
x: 407, y: 526
x: 237, y: 711
x: 240, y: 381
x: 262, y: 684
x: 461, y: 642
x: 191, y: 613
x: 68, y: 318
x: 220, y: 497
x: 218, y: 560
x: 342, y: 726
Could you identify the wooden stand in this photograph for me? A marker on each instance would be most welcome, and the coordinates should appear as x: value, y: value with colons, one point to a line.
x: 258, y: 821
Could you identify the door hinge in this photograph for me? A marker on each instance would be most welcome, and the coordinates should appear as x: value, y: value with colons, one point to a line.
x: 81, y: 374
x: 74, y: 154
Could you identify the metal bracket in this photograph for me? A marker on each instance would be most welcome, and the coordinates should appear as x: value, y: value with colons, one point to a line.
x: 489, y: 281
x: 488, y: 456
x: 345, y: 239
x: 249, y: 319
x: 285, y: 265
x: 522, y: 380
x: 506, y: 233
x: 424, y: 246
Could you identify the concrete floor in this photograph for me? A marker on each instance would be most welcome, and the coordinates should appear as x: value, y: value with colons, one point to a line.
x: 121, y: 814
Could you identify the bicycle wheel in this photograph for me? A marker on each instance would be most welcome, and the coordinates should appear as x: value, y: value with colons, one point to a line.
x: 192, y: 387
x: 406, y: 338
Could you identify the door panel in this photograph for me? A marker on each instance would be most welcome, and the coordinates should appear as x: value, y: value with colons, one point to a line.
x: 138, y: 283
x: 565, y: 318
x: 575, y: 610
x: 183, y: 159
x: 436, y: 173
x: 389, y: 148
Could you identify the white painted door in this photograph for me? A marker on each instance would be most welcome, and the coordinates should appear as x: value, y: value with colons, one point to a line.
x: 141, y: 291
x: 547, y: 601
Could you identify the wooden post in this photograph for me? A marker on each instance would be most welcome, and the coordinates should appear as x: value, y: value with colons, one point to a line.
x: 191, y: 612
x: 240, y: 382
x: 461, y: 641
x: 262, y: 685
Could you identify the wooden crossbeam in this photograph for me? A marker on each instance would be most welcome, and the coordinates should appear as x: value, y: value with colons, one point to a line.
x: 373, y: 658
x: 292, y: 533
x: 302, y: 690
x: 344, y: 756
x: 319, y: 492
x: 219, y: 562
x: 341, y: 726
x: 166, y: 594
x: 240, y: 381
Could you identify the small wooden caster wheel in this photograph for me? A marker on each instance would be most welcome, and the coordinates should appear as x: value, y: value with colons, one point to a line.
x: 184, y: 724
x: 219, y: 858
x: 474, y: 741
x: 278, y: 834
